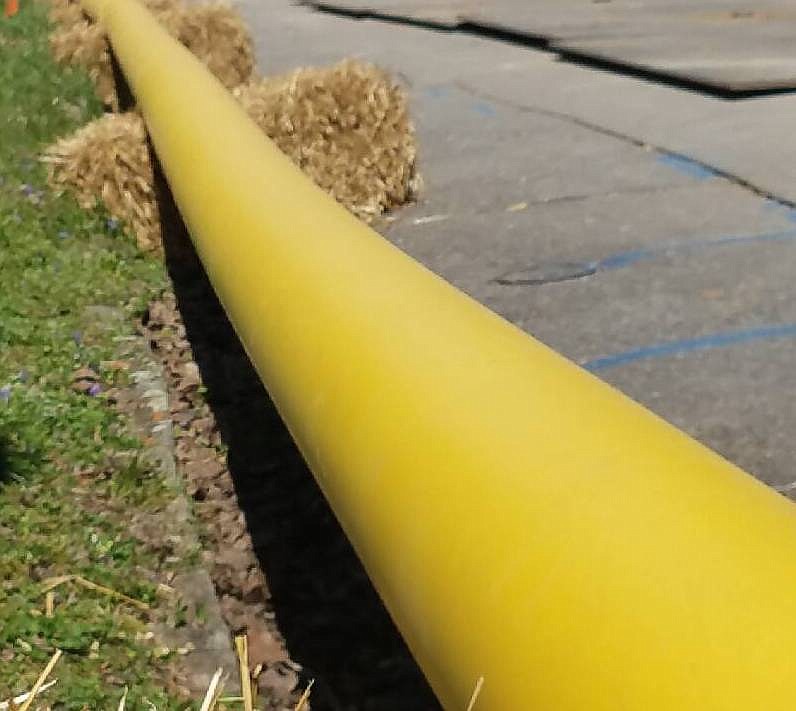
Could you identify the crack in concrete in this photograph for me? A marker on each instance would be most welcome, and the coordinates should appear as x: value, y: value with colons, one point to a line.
x: 542, y: 44
x: 410, y: 213
x: 472, y: 26
x: 627, y: 138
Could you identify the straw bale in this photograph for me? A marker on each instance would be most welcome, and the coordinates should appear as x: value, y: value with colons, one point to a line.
x: 213, y: 32
x: 108, y: 161
x: 65, y: 12
x: 347, y: 126
x: 77, y: 41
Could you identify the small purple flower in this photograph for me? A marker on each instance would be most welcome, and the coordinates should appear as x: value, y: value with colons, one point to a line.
x: 33, y: 195
x: 5, y: 393
x: 95, y: 389
x: 77, y: 337
x: 112, y: 223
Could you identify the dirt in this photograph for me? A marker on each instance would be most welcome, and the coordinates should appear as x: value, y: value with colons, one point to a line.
x: 228, y: 550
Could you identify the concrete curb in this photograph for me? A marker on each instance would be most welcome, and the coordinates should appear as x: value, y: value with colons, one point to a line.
x: 206, y: 634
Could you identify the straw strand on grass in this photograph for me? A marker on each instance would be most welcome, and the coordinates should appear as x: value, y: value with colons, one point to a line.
x: 40, y: 681
x: 17, y: 700
x: 49, y: 604
x: 214, y: 690
x: 53, y: 583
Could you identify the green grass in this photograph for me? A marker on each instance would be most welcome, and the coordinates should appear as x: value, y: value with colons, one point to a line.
x: 65, y: 501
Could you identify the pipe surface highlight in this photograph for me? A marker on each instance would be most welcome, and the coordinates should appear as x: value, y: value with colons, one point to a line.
x: 523, y: 521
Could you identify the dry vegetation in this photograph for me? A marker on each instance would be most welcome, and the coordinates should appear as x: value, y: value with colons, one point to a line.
x: 347, y: 126
x: 213, y: 32
x: 107, y: 161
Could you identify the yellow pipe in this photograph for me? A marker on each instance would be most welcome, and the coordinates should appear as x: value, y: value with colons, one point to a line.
x: 523, y: 521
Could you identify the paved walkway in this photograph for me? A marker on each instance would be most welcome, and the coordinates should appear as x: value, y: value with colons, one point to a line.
x: 642, y: 230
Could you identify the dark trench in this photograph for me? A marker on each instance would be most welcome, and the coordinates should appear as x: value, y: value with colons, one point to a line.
x: 332, y: 619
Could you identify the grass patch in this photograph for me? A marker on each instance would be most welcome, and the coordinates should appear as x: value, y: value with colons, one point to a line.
x: 70, y: 475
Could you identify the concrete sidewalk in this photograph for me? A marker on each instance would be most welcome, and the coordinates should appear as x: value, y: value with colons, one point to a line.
x: 642, y: 230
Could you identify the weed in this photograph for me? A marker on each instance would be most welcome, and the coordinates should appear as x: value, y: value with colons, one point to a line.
x: 71, y: 479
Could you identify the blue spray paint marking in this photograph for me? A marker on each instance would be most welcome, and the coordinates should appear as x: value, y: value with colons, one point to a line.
x: 788, y: 211
x: 564, y: 271
x: 687, y: 166
x: 437, y: 92
x: 620, y: 260
x: 716, y: 340
x: 484, y: 109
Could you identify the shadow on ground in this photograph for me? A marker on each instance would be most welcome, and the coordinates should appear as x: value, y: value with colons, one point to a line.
x: 332, y: 619
x: 5, y: 465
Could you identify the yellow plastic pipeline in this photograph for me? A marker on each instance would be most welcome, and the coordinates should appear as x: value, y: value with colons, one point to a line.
x: 523, y: 521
